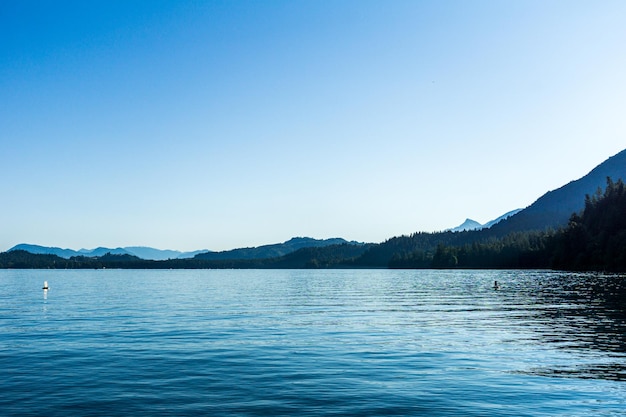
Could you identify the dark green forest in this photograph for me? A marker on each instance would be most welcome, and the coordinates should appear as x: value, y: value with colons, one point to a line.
x: 594, y: 239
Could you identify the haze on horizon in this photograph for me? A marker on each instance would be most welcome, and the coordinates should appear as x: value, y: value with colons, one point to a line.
x: 222, y: 124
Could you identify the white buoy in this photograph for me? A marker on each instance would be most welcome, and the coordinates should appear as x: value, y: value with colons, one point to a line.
x: 45, y: 285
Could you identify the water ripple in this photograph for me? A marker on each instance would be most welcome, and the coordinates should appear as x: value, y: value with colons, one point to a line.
x: 365, y: 342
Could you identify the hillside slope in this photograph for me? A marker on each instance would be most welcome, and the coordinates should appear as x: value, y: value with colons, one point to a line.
x: 553, y: 209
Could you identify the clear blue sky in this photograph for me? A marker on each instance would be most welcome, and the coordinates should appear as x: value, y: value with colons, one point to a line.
x: 222, y: 124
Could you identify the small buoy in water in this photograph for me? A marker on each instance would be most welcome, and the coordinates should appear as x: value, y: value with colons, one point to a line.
x: 45, y: 285
x: 496, y: 285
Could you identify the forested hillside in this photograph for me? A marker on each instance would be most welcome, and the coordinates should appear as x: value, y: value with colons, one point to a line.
x: 593, y: 240
x: 271, y: 251
x: 596, y: 240
x: 554, y: 208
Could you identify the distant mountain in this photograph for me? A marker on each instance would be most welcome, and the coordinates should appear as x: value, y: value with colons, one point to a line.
x: 144, y: 252
x: 274, y: 250
x: 137, y: 251
x: 553, y: 209
x: 100, y: 251
x: 470, y: 224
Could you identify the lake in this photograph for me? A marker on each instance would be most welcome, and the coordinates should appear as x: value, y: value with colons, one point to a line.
x: 312, y: 342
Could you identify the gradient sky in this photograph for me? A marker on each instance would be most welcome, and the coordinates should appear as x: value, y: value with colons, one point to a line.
x: 222, y: 124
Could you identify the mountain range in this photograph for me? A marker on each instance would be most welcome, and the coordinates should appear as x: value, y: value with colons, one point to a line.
x: 261, y: 252
x: 550, y: 211
x: 470, y: 224
x: 138, y: 251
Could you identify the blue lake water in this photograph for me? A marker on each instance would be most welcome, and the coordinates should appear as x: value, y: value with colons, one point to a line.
x: 301, y: 342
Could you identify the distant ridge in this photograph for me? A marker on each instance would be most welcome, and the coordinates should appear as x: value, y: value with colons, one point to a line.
x: 145, y: 252
x: 138, y: 251
x: 45, y: 250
